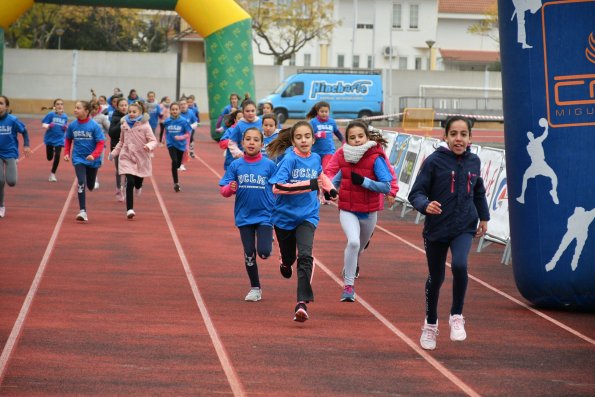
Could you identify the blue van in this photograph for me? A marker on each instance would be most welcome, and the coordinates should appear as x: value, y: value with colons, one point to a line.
x: 351, y: 93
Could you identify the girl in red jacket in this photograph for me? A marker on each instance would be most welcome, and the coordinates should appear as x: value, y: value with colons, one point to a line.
x: 365, y: 177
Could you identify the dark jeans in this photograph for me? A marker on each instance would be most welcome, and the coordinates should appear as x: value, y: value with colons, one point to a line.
x: 132, y: 182
x: 256, y: 239
x: 302, y: 238
x: 436, y: 255
x: 85, y: 176
x: 53, y: 153
x: 176, y: 161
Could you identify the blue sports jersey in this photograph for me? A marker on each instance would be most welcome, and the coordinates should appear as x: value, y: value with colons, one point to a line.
x: 54, y: 135
x: 254, y: 197
x: 84, y: 140
x: 176, y: 127
x: 291, y: 210
x: 190, y: 116
x: 324, y: 132
x: 10, y: 126
x: 267, y: 140
x: 236, y: 133
x: 154, y: 111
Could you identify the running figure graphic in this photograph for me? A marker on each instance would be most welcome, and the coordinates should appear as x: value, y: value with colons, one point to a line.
x: 520, y: 7
x: 538, y: 165
x: 578, y: 228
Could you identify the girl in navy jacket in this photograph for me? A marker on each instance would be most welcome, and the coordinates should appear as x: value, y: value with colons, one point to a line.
x: 450, y: 192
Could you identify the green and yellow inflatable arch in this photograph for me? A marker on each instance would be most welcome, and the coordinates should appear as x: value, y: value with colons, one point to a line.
x: 225, y: 26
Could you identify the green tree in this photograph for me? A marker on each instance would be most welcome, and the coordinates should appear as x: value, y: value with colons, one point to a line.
x: 282, y: 28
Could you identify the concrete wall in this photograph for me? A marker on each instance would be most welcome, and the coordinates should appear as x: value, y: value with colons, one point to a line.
x: 48, y: 74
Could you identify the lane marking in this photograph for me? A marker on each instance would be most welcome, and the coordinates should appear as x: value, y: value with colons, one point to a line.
x: 26, y: 307
x: 413, y: 345
x: 230, y: 373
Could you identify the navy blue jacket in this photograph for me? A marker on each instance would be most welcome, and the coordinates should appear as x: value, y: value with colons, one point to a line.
x: 455, y: 182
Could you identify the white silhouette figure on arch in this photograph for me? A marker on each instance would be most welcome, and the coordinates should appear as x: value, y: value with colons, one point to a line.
x: 520, y: 7
x: 578, y: 229
x: 538, y: 165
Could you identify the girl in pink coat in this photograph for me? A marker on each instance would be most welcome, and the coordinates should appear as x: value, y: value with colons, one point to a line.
x: 137, y: 141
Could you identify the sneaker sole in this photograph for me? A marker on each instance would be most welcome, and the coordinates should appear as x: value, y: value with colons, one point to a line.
x: 130, y: 216
x: 454, y: 339
x: 347, y: 299
x: 81, y: 219
x: 427, y: 347
x: 300, y: 316
x: 252, y: 300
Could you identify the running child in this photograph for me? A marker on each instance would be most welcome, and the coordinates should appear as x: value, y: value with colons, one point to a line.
x: 85, y: 137
x: 115, y: 130
x: 247, y: 178
x: 137, y: 141
x: 190, y: 116
x: 164, y: 115
x: 324, y: 128
x: 365, y: 178
x: 54, y: 123
x: 270, y: 131
x: 450, y: 192
x: 229, y: 122
x: 177, y: 134
x: 296, y: 182
x: 10, y: 127
x: 233, y: 105
x: 250, y: 119
x: 100, y: 118
x: 153, y: 110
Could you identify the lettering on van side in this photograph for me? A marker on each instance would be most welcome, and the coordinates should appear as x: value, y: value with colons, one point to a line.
x: 358, y: 87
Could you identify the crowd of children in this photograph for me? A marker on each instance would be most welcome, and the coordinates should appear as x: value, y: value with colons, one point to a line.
x: 279, y: 178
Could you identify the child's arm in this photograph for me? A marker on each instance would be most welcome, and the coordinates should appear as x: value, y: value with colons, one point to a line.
x: 97, y: 152
x: 327, y: 187
x: 150, y: 138
x: 332, y: 168
x: 67, y: 146
x: 306, y: 186
x: 116, y: 151
x: 229, y: 189
x: 382, y: 185
x: 234, y: 149
x: 26, y: 143
x: 337, y: 133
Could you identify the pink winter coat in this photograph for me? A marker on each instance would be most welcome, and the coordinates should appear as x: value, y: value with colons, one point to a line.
x: 133, y: 158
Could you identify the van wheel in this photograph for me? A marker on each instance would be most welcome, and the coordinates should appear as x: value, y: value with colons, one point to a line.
x: 281, y: 115
x: 364, y: 113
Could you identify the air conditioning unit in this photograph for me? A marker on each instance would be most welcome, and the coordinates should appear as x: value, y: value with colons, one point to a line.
x: 389, y: 51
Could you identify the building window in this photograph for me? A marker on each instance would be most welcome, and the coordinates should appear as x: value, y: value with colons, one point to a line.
x: 292, y: 60
x: 414, y: 16
x: 365, y: 26
x: 417, y: 63
x: 397, y: 16
x: 370, y: 60
x: 355, y: 61
x: 403, y: 63
x: 307, y: 59
x: 340, y: 61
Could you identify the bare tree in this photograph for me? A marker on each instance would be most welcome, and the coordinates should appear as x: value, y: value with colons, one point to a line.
x: 488, y: 26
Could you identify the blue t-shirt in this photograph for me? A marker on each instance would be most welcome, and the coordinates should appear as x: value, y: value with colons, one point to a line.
x: 291, y: 210
x: 175, y: 127
x: 267, y: 140
x: 324, y: 132
x: 10, y: 126
x: 190, y: 116
x: 84, y: 140
x: 254, y: 197
x: 54, y: 136
x: 154, y: 111
x: 236, y: 133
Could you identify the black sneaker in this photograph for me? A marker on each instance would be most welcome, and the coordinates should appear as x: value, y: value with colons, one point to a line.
x: 177, y: 187
x: 286, y: 271
x: 301, y: 313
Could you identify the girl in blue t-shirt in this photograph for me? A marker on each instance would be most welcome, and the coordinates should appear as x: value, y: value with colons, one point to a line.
x: 324, y: 127
x: 87, y: 141
x: 177, y: 134
x: 247, y: 178
x: 54, y: 123
x: 295, y: 215
x: 250, y: 119
x: 270, y: 131
x: 229, y: 122
x: 10, y: 127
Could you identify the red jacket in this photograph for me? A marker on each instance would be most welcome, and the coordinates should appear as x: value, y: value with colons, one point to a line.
x: 357, y: 198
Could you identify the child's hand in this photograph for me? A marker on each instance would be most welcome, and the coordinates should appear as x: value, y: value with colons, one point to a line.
x: 357, y: 179
x: 434, y: 208
x: 391, y: 200
x: 233, y: 186
x: 110, y: 156
x: 146, y: 148
x: 90, y: 157
x: 51, y: 125
x: 321, y: 134
x: 27, y: 151
x: 179, y: 137
x: 332, y: 195
x: 66, y: 157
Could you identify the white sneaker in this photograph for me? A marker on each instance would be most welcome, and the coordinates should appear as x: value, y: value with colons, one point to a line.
x: 137, y: 192
x: 96, y: 184
x: 82, y: 216
x: 182, y: 168
x: 428, y: 336
x: 457, y: 327
x: 254, y: 295
x: 130, y: 214
x: 2, y: 212
x: 53, y: 178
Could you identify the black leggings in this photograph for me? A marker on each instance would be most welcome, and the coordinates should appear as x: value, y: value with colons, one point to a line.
x: 256, y: 239
x: 161, y: 130
x: 53, y: 153
x: 132, y: 182
x: 302, y: 238
x: 176, y: 161
x: 85, y: 175
x: 436, y: 255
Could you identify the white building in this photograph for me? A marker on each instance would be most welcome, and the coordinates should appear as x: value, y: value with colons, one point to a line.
x: 402, y: 34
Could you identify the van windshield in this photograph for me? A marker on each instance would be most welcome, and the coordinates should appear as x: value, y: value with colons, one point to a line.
x: 279, y: 88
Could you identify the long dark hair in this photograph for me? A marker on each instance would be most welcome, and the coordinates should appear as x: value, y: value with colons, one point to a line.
x: 314, y: 111
x: 285, y: 139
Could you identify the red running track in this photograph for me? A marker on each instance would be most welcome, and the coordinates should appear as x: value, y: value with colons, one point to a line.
x: 154, y: 306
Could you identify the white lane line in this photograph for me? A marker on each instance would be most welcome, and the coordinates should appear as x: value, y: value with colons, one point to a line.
x: 413, y: 345
x: 499, y: 292
x: 230, y: 373
x: 20, y: 321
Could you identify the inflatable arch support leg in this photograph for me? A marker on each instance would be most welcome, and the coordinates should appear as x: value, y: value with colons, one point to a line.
x: 225, y: 26
x: 548, y: 64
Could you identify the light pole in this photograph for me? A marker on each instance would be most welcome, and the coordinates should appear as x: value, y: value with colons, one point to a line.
x: 59, y: 32
x: 430, y: 43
